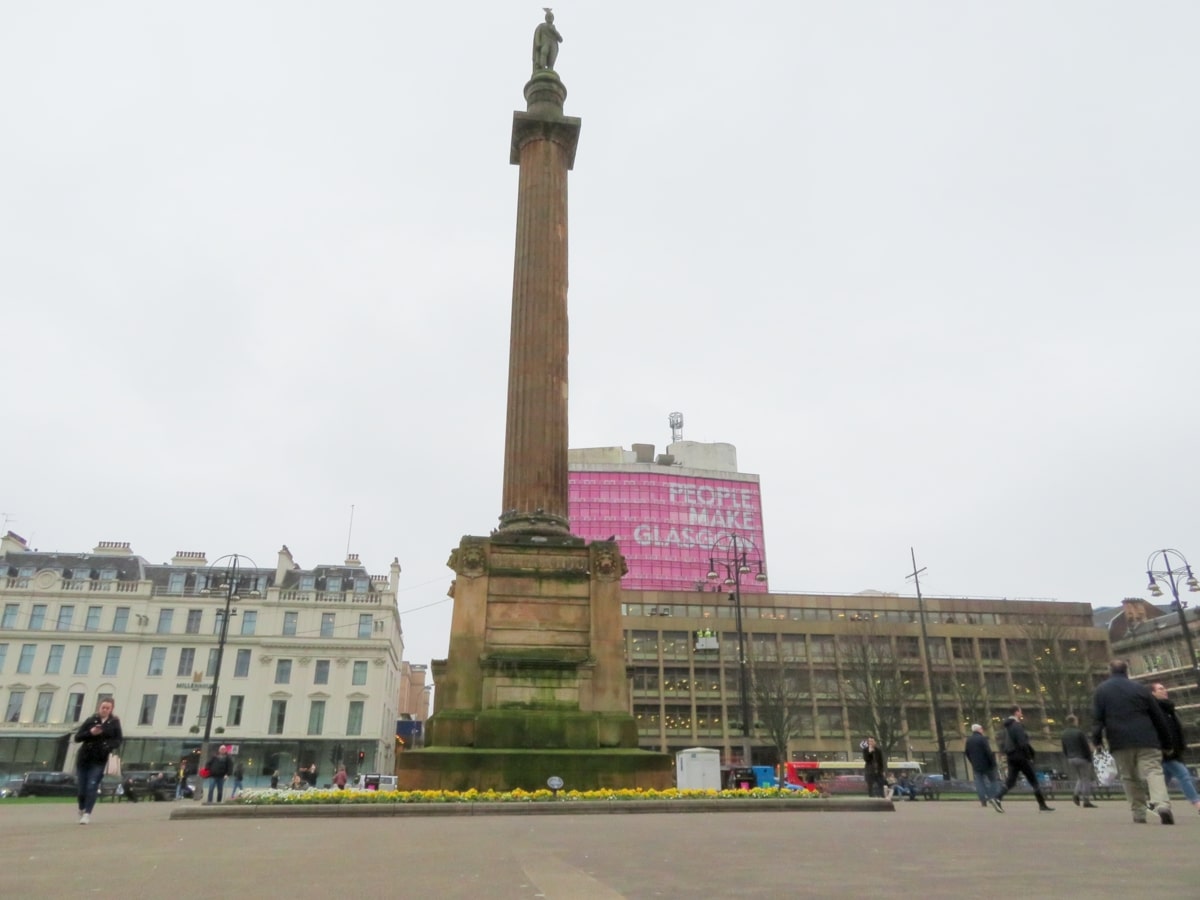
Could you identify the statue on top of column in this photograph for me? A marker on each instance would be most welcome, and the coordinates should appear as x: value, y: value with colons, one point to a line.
x: 545, y: 44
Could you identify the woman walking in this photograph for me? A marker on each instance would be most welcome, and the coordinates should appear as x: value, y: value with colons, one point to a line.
x: 100, y: 735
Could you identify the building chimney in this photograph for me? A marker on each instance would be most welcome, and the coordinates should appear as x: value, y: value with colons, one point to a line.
x: 352, y: 560
x: 189, y: 558
x: 285, y: 565
x: 395, y: 579
x: 113, y: 548
x: 13, y: 543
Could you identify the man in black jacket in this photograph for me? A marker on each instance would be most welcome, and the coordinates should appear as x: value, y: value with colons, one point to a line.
x: 1126, y: 713
x: 874, y: 767
x: 1019, y: 752
x: 1172, y: 763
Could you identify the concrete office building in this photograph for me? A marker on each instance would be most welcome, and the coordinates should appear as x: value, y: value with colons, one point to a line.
x: 311, y: 670
x: 984, y: 655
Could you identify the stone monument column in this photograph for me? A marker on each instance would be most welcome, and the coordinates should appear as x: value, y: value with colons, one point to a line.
x: 535, y: 444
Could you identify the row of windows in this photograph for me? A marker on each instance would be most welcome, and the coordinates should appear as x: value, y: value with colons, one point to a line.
x: 65, y: 621
x: 185, y: 668
x: 177, y: 711
x: 177, y: 583
x: 725, y: 610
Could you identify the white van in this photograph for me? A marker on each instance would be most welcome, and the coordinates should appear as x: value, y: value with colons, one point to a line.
x: 375, y: 782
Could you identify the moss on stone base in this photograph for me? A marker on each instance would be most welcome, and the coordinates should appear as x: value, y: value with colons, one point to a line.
x: 460, y: 769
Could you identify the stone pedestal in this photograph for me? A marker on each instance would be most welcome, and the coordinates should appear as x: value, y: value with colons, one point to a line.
x: 535, y: 679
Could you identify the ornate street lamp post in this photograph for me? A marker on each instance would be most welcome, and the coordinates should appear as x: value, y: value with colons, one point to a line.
x: 732, y: 554
x: 1175, y: 568
x: 230, y: 563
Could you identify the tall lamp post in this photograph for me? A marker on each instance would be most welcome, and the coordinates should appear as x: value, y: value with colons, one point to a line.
x: 939, y: 733
x: 732, y: 554
x: 1175, y: 568
x: 230, y: 563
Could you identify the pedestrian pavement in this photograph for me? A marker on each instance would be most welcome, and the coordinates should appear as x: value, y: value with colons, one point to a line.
x: 950, y: 848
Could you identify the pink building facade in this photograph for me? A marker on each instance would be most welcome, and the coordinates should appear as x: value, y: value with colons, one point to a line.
x: 668, y: 519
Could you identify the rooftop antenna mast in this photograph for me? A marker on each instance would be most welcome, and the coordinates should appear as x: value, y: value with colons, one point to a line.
x: 675, y: 420
x: 350, y: 531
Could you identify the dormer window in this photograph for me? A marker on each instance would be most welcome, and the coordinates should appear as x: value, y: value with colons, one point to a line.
x: 333, y: 584
x: 108, y: 574
x: 307, y: 582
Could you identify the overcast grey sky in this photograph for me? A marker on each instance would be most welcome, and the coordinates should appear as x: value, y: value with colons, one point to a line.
x: 930, y: 266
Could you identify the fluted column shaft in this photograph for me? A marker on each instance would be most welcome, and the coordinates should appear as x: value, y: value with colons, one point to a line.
x: 535, y: 446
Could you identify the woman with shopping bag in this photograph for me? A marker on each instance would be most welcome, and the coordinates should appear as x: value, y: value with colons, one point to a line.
x: 100, y: 737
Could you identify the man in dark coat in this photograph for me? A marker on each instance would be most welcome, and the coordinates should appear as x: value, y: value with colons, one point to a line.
x: 1172, y: 763
x: 983, y: 763
x: 1126, y: 713
x: 1019, y: 753
x: 1078, y: 752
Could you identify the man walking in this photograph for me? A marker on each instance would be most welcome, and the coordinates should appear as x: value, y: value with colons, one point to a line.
x: 1172, y: 763
x: 1127, y: 714
x: 1078, y: 752
x: 1019, y: 753
x: 983, y: 763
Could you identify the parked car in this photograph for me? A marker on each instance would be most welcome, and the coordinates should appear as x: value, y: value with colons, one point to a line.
x: 151, y: 786
x: 12, y: 787
x: 49, y: 784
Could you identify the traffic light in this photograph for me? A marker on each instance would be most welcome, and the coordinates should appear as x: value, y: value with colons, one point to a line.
x: 361, y: 755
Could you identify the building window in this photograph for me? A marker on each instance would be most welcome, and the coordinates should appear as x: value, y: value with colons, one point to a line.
x: 158, y: 659
x: 92, y: 623
x: 54, y: 661
x: 241, y: 667
x: 205, y: 700
x: 195, y: 617
x: 278, y: 717
x: 283, y: 671
x: 249, y: 621
x: 333, y: 584
x: 65, y: 615
x: 316, y: 717
x: 365, y: 624
x: 108, y: 574
x: 360, y: 672
x: 3, y: 655
x: 121, y: 620
x: 211, y: 669
x: 149, y: 702
x: 165, y: 619
x: 236, y: 704
x: 307, y: 582
x: 361, y: 585
x: 83, y: 659
x: 16, y: 699
x: 10, y: 616
x: 178, y: 708
x: 321, y: 672
x: 176, y: 582
x: 218, y: 621
x: 112, y: 659
x: 25, y: 660
x: 37, y: 618
x: 187, y: 662
x: 327, y: 625
x: 74, y: 707
x: 289, y: 623
x: 355, y: 718
x: 41, y: 713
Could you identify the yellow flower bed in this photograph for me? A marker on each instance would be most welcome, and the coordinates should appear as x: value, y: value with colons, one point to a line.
x: 543, y: 795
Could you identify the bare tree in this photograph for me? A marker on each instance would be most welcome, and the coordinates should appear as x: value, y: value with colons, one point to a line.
x: 781, y: 696
x: 876, y: 687
x: 1061, y: 671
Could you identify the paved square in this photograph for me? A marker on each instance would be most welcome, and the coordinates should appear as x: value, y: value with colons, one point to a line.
x: 952, y: 849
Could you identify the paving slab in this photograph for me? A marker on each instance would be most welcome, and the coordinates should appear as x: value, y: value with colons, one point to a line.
x: 952, y: 849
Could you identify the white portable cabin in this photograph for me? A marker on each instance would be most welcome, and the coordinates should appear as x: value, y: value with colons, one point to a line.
x: 698, y: 769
